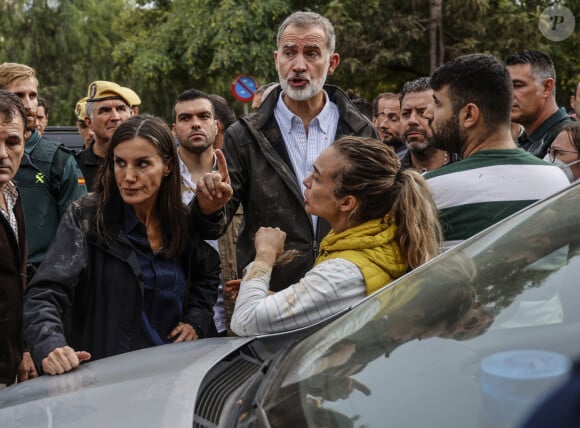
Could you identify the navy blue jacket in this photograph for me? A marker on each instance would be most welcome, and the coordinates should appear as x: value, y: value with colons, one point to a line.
x: 88, y: 293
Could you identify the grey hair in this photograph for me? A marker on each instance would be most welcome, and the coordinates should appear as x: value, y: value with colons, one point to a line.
x: 306, y: 20
x: 89, y: 109
x: 418, y: 85
x: 541, y: 65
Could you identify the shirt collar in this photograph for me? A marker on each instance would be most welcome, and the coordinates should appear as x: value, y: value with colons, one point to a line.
x: 9, y: 189
x: 32, y: 141
x: 188, y: 187
x: 10, y: 196
x: 288, y: 120
x: 539, y: 133
x: 185, y: 174
x: 130, y: 221
x: 185, y: 170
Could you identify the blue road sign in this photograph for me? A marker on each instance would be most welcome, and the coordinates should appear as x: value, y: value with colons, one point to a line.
x: 243, y: 88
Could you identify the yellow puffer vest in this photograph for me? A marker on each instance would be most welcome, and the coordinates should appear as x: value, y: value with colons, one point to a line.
x: 372, y: 246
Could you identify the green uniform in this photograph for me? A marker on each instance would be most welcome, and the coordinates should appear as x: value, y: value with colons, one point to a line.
x: 49, y: 179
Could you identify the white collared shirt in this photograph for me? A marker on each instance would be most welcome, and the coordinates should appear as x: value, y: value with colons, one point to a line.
x: 187, y: 185
x: 188, y: 188
x: 303, y: 150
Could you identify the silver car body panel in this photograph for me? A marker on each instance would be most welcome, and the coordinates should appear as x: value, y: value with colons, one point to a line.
x: 154, y: 387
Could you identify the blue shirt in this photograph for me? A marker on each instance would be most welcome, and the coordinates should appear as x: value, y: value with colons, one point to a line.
x: 163, y: 283
x: 304, y: 149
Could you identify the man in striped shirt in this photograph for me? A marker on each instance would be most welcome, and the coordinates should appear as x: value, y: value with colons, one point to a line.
x: 470, y: 115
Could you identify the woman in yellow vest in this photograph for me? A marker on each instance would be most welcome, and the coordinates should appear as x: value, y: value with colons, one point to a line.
x: 384, y: 223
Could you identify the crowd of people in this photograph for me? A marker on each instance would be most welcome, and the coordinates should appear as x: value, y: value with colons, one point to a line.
x: 217, y: 225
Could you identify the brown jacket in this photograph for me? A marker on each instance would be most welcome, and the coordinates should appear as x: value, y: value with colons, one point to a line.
x: 12, y: 284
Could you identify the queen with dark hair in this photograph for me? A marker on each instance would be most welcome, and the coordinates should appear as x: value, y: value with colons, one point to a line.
x: 126, y: 270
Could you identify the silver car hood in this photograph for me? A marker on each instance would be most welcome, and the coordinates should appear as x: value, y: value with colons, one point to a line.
x: 154, y: 387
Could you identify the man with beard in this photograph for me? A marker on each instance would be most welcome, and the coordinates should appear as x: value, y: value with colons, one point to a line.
x: 195, y: 128
x: 271, y: 151
x: 495, y: 177
x: 387, y: 121
x: 422, y: 155
x: 49, y: 178
x: 107, y: 106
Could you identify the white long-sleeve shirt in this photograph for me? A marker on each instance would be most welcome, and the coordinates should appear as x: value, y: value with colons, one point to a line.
x: 326, y: 289
x: 188, y: 188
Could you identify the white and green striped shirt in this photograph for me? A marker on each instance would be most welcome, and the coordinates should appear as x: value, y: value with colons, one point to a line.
x: 487, y: 187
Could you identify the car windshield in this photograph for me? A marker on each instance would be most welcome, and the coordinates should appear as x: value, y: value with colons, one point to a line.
x: 474, y: 338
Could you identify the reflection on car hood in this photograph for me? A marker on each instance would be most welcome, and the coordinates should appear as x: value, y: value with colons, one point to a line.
x: 477, y: 336
x: 153, y: 387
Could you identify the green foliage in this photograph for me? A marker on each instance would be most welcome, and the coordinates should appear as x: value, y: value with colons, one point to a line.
x: 67, y: 42
x: 385, y: 43
x: 159, y: 48
x: 382, y: 44
x: 519, y: 22
x: 198, y: 43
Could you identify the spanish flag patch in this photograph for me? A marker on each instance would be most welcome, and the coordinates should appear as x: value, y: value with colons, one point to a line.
x: 81, y: 181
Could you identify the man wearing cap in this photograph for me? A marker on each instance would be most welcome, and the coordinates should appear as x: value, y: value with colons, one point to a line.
x: 84, y: 130
x: 49, y: 178
x: 107, y: 106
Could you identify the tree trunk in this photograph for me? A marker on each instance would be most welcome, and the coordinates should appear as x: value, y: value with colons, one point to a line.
x: 435, y: 34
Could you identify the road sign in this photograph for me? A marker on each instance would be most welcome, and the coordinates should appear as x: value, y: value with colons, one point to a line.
x: 243, y: 88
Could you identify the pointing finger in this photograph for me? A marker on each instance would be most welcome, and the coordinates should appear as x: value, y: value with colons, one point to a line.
x: 222, y: 166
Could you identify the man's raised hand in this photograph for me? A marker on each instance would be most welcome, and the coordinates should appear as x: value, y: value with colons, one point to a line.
x: 213, y: 188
